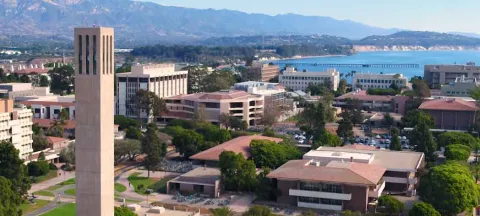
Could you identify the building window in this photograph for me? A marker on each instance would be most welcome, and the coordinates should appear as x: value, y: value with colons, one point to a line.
x: 309, y: 200
x: 87, y: 53
x: 94, y: 55
x: 330, y: 202
x: 80, y: 53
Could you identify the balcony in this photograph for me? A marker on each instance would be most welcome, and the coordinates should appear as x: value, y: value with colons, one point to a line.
x: 320, y: 206
x: 378, y: 191
x: 319, y: 194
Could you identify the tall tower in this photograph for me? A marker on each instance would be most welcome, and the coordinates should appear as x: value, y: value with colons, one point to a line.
x: 94, y: 134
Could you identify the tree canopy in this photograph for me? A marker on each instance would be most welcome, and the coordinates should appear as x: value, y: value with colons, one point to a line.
x: 124, y: 122
x: 423, y: 209
x: 422, y: 139
x: 62, y: 80
x: 454, y: 137
x: 149, y: 103
x: 10, y: 202
x: 13, y: 169
x: 414, y: 117
x: 395, y: 144
x: 449, y: 188
x: 258, y: 210
x: 188, y: 143
x: 270, y: 154
x: 152, y: 147
x: 237, y: 173
x: 420, y: 88
x: 391, y: 204
x: 457, y: 152
x: 123, y: 211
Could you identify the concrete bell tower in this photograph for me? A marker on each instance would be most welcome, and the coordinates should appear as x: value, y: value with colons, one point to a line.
x: 94, y: 104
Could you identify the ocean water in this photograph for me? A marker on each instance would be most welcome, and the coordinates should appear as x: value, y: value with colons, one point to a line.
x: 407, y: 57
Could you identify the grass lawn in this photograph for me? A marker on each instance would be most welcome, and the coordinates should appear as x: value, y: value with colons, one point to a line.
x: 54, y: 187
x: 137, y: 180
x: 27, y: 207
x: 160, y: 186
x: 71, y: 192
x: 51, y: 174
x: 120, y: 187
x: 68, y: 182
x: 64, y: 210
x: 44, y: 193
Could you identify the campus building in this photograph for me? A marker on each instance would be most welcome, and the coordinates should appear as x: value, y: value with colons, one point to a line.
x: 266, y: 71
x: 335, y: 178
x: 368, y: 80
x: 201, y: 180
x: 49, y: 107
x: 437, y: 75
x: 240, y: 104
x: 451, y: 113
x: 16, y: 127
x: 460, y: 87
x: 274, y: 94
x: 362, y: 100
x: 295, y: 80
x: 161, y: 79
x: 16, y: 90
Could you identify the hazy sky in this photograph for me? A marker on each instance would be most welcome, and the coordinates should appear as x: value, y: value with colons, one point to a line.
x: 433, y: 15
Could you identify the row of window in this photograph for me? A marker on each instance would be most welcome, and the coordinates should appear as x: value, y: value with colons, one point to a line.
x: 379, y: 81
x: 458, y: 93
x: 330, y: 188
x: 156, y: 79
x: 315, y: 200
x: 107, y: 57
x: 300, y: 83
x: 305, y: 78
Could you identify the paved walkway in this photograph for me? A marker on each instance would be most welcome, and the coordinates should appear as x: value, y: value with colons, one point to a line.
x: 40, y: 186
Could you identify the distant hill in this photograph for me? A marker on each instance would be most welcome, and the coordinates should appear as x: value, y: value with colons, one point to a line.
x: 403, y: 38
x: 145, y: 22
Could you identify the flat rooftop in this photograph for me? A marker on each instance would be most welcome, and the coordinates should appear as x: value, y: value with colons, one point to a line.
x: 200, y: 175
x: 339, y: 155
x: 391, y: 160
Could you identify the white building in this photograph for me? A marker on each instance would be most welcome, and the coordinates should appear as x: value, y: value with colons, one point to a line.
x: 461, y: 87
x: 16, y: 127
x: 384, y: 81
x: 162, y: 79
x: 49, y: 107
x: 295, y: 80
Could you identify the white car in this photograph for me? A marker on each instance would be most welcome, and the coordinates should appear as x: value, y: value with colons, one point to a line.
x: 387, y: 142
x: 301, y: 141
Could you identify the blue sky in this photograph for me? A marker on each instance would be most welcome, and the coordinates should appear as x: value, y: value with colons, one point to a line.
x: 432, y: 15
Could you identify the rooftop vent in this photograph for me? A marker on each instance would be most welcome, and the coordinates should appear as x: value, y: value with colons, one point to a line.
x: 314, y: 163
x: 338, y: 154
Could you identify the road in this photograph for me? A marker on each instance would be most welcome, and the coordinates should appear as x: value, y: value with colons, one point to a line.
x: 54, y: 181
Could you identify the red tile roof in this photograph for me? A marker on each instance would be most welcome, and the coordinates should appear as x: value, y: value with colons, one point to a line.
x: 335, y: 171
x: 53, y: 140
x: 47, y: 103
x: 449, y: 104
x: 237, y: 145
x: 46, y: 123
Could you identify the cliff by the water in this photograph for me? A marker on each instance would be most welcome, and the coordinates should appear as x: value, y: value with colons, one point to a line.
x: 372, y: 48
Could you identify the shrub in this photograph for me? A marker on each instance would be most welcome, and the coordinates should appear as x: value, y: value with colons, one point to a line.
x: 457, y: 152
x: 52, y: 166
x: 391, y: 204
x: 422, y: 208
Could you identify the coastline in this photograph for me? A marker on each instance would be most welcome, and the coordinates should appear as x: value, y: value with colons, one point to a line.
x: 307, y: 57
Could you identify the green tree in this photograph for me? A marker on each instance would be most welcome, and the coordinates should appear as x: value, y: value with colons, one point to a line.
x: 25, y: 79
x: 119, y: 151
x: 57, y: 128
x: 420, y: 89
x: 149, y: 103
x: 327, y: 139
x: 123, y: 211
x: 217, y: 80
x: 237, y: 173
x: 258, y: 210
x: 342, y: 87
x: 391, y: 204
x: 13, y: 169
x: 414, y: 117
x: 152, y: 147
x: 195, y: 76
x: 67, y: 155
x: 224, y: 211
x: 313, y: 119
x: 213, y: 133
x: 10, y: 203
x: 44, y: 82
x: 133, y: 133
x: 188, y: 143
x: 449, y: 188
x: 38, y: 168
x: 423, y: 209
x: 389, y: 120
x: 62, y: 80
x: 64, y: 115
x: 395, y: 144
x: 270, y: 154
x: 309, y: 213
x: 454, y: 137
x: 224, y: 119
x: 124, y: 122
x: 457, y: 152
x: 268, y: 132
x: 345, y: 129
x: 238, y: 124
x: 40, y: 143
x: 266, y: 188
x: 422, y: 139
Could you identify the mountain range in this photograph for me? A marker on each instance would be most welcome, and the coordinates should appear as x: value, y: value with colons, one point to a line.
x: 140, y: 23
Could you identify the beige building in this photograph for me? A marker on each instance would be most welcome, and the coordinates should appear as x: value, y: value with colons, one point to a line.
x: 16, y: 127
x: 162, y: 79
x: 437, y: 75
x: 16, y: 90
x: 49, y: 107
x: 236, y: 103
x: 267, y: 71
x: 460, y: 87
x: 384, y: 81
x: 94, y: 131
x: 295, y: 80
